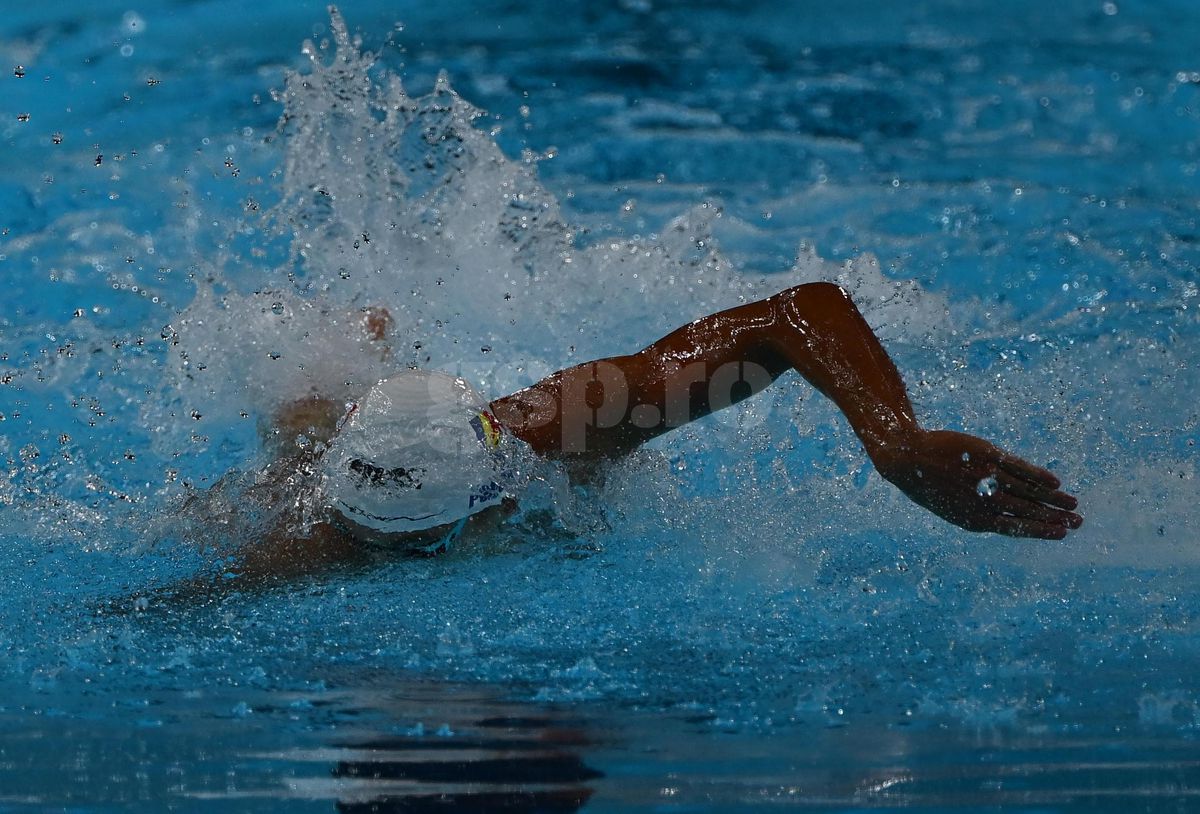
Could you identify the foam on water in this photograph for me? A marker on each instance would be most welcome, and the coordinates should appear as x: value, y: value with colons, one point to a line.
x: 751, y: 566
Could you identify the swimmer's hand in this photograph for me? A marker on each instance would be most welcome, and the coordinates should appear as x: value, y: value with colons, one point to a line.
x: 977, y: 486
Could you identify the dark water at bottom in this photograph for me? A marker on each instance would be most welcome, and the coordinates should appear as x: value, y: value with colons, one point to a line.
x: 387, y: 746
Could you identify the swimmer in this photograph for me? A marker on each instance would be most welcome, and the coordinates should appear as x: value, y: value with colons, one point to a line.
x: 422, y: 457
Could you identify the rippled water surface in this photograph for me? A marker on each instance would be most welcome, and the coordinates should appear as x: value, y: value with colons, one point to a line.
x: 198, y: 199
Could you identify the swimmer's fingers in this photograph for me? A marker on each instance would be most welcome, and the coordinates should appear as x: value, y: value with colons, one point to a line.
x: 1022, y: 527
x: 1041, y: 494
x: 1029, y: 472
x: 1022, y: 509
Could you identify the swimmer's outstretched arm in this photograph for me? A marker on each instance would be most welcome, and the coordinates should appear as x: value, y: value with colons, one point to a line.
x: 607, y: 408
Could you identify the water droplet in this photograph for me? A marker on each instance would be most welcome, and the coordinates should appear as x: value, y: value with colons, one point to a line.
x: 966, y: 457
x: 277, y: 308
x: 987, y: 487
x: 133, y: 23
x: 19, y: 72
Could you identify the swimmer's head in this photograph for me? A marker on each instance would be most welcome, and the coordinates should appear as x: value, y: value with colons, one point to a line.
x: 419, y: 451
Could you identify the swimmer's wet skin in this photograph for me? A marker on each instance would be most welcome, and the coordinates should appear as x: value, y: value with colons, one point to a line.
x: 601, y: 410
x: 816, y: 330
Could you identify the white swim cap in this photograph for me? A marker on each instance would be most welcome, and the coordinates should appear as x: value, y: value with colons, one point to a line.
x: 418, y: 451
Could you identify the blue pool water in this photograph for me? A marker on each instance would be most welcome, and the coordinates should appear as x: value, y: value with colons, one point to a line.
x: 196, y: 197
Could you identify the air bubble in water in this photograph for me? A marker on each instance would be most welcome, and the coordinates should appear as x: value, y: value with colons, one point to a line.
x: 987, y: 487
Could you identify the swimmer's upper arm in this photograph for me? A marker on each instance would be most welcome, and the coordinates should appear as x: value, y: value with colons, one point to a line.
x: 608, y: 407
x: 314, y: 417
x: 578, y: 411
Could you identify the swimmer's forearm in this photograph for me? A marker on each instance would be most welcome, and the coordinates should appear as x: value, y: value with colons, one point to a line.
x: 823, y: 336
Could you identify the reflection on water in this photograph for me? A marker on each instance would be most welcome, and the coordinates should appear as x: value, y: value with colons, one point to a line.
x: 426, y: 746
x: 371, y: 743
x: 485, y: 755
x: 358, y: 742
